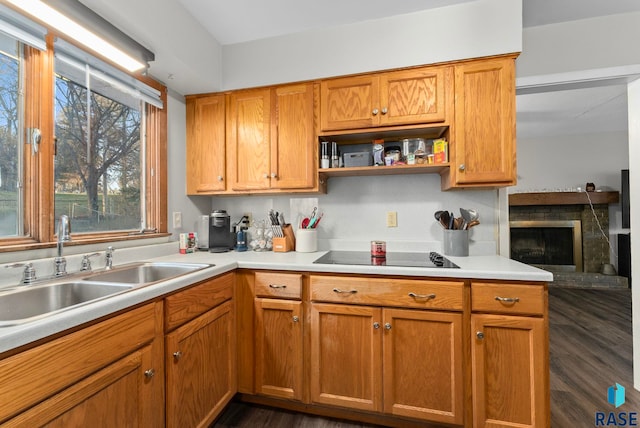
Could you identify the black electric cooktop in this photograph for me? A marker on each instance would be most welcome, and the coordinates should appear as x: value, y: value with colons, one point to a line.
x: 427, y: 260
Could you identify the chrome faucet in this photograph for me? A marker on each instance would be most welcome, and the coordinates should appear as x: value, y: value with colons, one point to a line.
x: 64, y: 235
x: 29, y: 273
x: 108, y: 258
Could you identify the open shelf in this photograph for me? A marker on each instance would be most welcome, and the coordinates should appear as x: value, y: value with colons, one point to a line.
x: 387, y: 134
x: 563, y: 198
x: 383, y: 170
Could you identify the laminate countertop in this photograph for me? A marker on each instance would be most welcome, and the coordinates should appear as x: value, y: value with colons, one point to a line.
x: 473, y: 267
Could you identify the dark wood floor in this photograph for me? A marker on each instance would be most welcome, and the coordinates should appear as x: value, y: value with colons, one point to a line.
x: 591, y: 349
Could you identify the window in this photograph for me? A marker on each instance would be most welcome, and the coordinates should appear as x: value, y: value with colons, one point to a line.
x: 11, y: 127
x: 102, y: 153
x: 98, y: 167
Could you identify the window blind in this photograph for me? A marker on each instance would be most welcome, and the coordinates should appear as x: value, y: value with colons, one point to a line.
x: 22, y: 28
x: 74, y: 64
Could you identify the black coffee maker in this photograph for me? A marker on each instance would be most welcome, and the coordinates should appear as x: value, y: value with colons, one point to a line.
x: 221, y: 238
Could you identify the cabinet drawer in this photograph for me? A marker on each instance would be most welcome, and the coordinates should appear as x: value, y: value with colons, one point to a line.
x: 194, y: 301
x: 280, y: 285
x: 410, y: 293
x: 508, y: 298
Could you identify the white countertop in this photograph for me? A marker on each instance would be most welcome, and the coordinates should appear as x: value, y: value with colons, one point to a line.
x: 474, y: 267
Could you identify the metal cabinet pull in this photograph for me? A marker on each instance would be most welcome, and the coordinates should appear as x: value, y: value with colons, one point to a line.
x: 384, y: 110
x: 375, y: 111
x: 277, y: 286
x: 422, y: 296
x: 149, y: 373
x: 376, y: 325
x: 462, y: 167
x: 295, y: 318
x: 508, y: 299
x: 480, y: 335
x: 220, y: 178
x: 387, y: 326
x: 177, y: 355
x: 337, y: 290
x: 274, y: 175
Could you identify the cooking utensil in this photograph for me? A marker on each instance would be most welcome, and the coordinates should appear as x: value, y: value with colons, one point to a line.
x: 472, y: 223
x: 451, y: 220
x: 307, y: 220
x: 444, y: 219
x: 468, y: 215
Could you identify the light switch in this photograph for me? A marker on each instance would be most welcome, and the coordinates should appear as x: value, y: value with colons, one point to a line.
x: 177, y: 220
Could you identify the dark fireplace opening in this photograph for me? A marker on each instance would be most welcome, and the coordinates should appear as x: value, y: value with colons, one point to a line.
x: 555, y: 245
x: 542, y: 246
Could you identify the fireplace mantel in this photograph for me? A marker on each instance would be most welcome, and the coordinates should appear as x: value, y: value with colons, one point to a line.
x: 563, y: 198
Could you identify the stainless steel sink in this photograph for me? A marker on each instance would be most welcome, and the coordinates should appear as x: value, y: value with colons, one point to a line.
x: 147, y: 273
x: 28, y: 303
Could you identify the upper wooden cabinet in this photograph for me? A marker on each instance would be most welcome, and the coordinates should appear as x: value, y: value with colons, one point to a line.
x: 206, y: 145
x: 483, y: 148
x: 271, y: 139
x: 396, y: 98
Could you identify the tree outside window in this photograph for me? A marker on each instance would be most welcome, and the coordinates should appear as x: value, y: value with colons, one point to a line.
x: 97, y: 162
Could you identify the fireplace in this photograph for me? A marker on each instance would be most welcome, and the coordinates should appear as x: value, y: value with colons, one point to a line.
x: 578, y: 219
x: 549, y: 244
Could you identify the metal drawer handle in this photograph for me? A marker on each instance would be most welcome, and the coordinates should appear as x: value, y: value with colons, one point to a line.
x: 422, y: 296
x: 337, y: 290
x: 277, y: 286
x: 295, y: 318
x: 149, y: 373
x: 376, y: 325
x: 387, y: 326
x: 508, y: 299
x: 480, y: 335
x: 177, y: 355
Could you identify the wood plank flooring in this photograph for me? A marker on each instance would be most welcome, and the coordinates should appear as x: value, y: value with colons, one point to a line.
x: 591, y: 349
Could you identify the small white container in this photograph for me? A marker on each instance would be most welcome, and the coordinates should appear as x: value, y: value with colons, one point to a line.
x: 307, y: 240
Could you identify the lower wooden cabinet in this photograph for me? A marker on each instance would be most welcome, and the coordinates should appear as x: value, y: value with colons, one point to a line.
x: 278, y: 356
x: 397, y: 361
x: 200, y: 363
x: 510, y: 373
x: 107, y: 374
x: 423, y: 365
x: 346, y: 351
x: 117, y: 396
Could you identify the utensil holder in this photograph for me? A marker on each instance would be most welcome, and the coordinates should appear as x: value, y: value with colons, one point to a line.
x: 307, y: 241
x: 456, y: 242
x: 287, y: 242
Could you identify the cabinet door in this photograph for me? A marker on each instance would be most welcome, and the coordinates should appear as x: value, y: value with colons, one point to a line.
x: 423, y: 363
x: 293, y: 146
x: 349, y: 103
x: 248, y: 142
x: 413, y: 96
x: 279, y: 348
x: 510, y: 371
x: 206, y: 153
x: 484, y: 149
x: 120, y: 395
x: 346, y: 356
x: 200, y: 366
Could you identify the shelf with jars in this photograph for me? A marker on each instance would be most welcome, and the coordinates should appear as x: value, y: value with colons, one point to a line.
x: 382, y: 152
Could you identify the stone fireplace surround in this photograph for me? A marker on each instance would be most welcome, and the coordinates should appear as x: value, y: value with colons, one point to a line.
x: 562, y: 206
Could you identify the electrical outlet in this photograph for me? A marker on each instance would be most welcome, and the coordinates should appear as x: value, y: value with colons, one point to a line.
x: 249, y: 217
x: 177, y: 220
x: 392, y: 219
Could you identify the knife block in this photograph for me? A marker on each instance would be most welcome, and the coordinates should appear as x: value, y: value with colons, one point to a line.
x: 286, y: 243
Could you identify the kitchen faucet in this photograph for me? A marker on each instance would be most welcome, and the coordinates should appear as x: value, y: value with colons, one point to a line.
x: 64, y: 235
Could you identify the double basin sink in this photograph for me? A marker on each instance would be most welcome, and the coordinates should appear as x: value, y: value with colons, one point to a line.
x: 27, y: 303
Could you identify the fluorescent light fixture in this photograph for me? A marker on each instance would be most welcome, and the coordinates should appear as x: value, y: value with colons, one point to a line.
x: 60, y: 18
